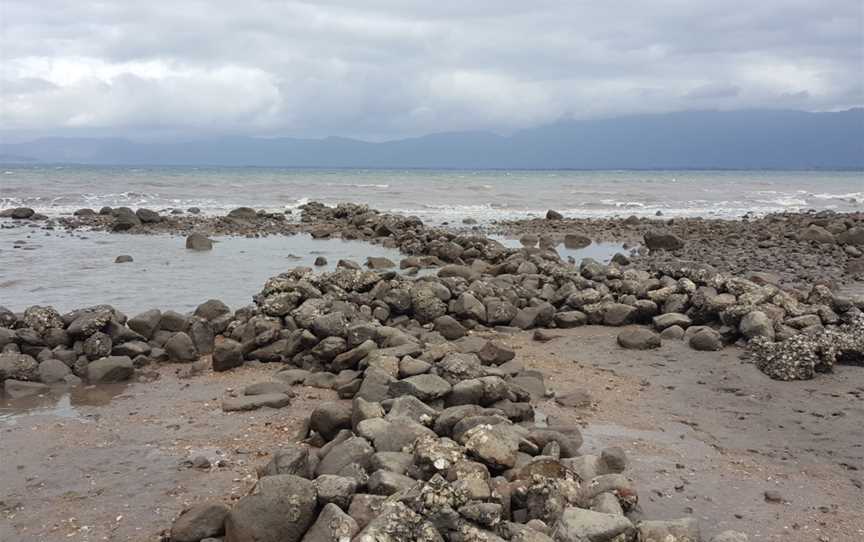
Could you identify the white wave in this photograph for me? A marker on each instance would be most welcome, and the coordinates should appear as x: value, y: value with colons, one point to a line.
x: 788, y: 202
x: 847, y: 196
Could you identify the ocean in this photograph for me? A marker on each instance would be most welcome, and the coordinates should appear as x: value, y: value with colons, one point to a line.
x: 435, y: 196
x: 70, y: 270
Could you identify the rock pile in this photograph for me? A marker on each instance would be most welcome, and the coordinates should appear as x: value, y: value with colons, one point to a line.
x: 334, y: 321
x: 100, y: 344
x: 437, y: 447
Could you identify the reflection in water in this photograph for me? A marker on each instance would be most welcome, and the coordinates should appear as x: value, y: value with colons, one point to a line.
x: 60, y: 401
x: 602, y: 252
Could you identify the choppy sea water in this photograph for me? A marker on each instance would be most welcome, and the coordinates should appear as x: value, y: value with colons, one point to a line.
x: 435, y: 195
x: 72, y: 270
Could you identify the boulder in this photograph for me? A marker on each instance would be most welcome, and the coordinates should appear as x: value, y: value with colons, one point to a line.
x: 199, y: 522
x: 638, y: 338
x: 110, y: 369
x: 757, y: 324
x: 662, y: 240
x: 197, y: 241
x: 282, y: 511
x: 332, y: 525
x: 706, y: 339
x: 227, y: 355
x: 426, y: 387
x: 146, y: 323
x: 553, y: 215
x: 53, y: 371
x: 254, y: 402
x: 681, y: 530
x: 18, y: 367
x: 817, y: 234
x: 148, y: 216
x: 578, y: 525
x: 181, y: 348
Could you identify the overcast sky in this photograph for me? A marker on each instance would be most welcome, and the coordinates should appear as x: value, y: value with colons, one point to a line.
x: 390, y: 68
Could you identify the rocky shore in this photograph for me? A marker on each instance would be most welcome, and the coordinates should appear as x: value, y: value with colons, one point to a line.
x: 436, y: 436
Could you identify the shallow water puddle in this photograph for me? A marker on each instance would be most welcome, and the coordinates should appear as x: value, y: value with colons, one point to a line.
x: 74, y: 270
x: 58, y: 402
x: 600, y: 251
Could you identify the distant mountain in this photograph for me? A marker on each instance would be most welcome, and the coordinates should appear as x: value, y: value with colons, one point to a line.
x: 755, y: 139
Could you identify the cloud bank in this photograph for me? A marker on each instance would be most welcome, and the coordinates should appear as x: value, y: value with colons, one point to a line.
x: 392, y: 68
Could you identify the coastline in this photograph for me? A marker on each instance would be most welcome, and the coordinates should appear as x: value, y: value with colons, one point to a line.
x: 791, y: 262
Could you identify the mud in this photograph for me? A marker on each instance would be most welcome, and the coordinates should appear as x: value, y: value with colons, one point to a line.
x: 708, y: 434
x: 122, y: 470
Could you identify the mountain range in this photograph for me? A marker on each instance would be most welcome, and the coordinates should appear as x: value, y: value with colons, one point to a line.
x: 747, y: 139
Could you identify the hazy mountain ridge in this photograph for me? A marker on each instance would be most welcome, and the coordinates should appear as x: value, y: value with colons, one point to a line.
x: 756, y: 139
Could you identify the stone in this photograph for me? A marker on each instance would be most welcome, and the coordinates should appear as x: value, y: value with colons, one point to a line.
x: 211, y: 310
x: 282, y: 511
x: 618, y: 314
x: 18, y: 367
x: 578, y: 525
x: 330, y: 418
x: 681, y: 530
x: 400, y: 435
x: 53, y: 371
x: 293, y: 459
x: 146, y: 323
x: 730, y: 536
x: 110, y: 369
x: 575, y: 241
x: 180, y: 348
x: 383, y: 482
x: 353, y: 450
x: 332, y: 525
x: 569, y: 319
x: 254, y: 402
x: 757, y: 324
x: 173, y: 321
x: 817, y: 234
x: 376, y: 262
x: 337, y: 490
x: 670, y: 319
x: 638, y: 338
x: 199, y: 522
x: 491, y: 446
x: 449, y: 327
x: 148, y: 216
x: 426, y: 387
x: 706, y: 339
x: 97, y: 345
x: 553, y: 215
x: 662, y: 240
x: 579, y: 398
x: 123, y: 258
x: 227, y: 355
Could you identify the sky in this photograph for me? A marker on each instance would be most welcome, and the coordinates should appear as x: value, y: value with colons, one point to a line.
x: 382, y: 69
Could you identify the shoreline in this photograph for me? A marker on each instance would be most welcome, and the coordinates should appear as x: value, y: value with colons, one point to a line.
x: 370, y: 333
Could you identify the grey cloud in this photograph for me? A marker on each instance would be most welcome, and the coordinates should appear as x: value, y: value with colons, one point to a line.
x: 389, y: 68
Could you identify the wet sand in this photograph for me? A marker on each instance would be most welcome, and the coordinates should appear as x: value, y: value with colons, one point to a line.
x: 708, y: 434
x: 705, y: 433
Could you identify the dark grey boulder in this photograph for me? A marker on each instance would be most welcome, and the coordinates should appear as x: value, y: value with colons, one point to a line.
x: 197, y: 241
x: 110, y: 369
x: 146, y: 323
x: 199, y: 522
x: 18, y: 367
x: 148, y: 216
x: 662, y: 240
x: 638, y: 338
x: 181, y: 348
x: 211, y: 310
x: 282, y: 511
